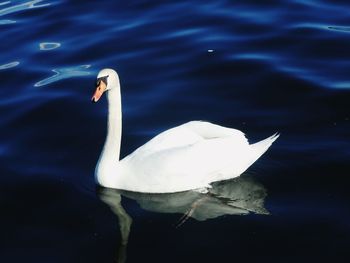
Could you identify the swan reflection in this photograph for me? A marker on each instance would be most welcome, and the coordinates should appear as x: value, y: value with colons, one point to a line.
x: 238, y: 196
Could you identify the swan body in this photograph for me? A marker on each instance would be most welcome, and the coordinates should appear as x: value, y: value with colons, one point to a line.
x: 187, y: 157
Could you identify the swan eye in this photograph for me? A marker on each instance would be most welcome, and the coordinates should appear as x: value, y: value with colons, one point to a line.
x: 103, y: 79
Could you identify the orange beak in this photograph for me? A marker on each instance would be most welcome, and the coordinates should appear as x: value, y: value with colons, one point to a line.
x: 100, y: 89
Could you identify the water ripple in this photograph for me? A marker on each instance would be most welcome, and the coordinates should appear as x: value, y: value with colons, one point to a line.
x: 9, y: 65
x: 18, y: 8
x: 308, y: 71
x: 49, y: 45
x: 340, y: 28
x: 321, y: 27
x: 64, y: 73
x: 7, y: 21
x: 5, y: 3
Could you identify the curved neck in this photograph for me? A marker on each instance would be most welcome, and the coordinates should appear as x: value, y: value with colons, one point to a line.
x: 111, y: 148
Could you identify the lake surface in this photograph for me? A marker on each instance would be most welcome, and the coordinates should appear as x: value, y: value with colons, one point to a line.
x: 258, y: 66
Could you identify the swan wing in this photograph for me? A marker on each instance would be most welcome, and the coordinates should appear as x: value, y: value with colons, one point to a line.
x: 187, y: 157
x: 188, y: 134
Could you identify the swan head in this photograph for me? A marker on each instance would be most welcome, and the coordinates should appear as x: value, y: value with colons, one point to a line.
x: 107, y: 79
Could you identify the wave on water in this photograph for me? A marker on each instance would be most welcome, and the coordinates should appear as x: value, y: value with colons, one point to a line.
x: 11, y: 9
x: 64, y: 73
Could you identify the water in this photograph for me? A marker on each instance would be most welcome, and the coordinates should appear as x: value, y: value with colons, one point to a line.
x: 258, y: 67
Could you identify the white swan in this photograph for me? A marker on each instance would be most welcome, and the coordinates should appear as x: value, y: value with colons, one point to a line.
x: 190, y: 156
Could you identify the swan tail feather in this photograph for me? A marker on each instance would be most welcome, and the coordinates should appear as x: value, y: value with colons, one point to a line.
x: 262, y: 146
x: 255, y: 151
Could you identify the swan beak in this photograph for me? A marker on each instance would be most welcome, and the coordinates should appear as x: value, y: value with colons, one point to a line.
x: 100, y: 89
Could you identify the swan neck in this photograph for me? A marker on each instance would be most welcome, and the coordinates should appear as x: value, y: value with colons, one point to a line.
x: 111, y: 149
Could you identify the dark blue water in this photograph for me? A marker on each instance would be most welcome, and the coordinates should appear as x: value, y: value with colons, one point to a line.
x: 258, y: 66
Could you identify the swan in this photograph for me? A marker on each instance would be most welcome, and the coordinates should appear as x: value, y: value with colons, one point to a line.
x: 188, y: 157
